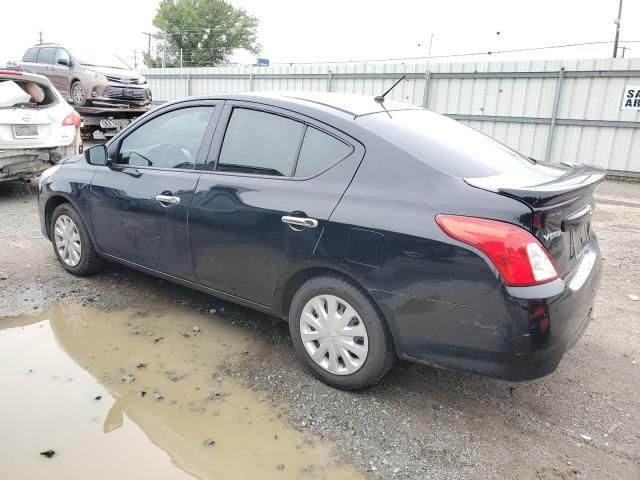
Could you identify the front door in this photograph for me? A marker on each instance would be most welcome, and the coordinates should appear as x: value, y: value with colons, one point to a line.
x: 271, y: 191
x: 140, y: 203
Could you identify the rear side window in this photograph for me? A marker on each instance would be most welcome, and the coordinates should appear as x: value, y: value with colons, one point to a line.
x: 30, y: 55
x: 319, y: 151
x: 260, y: 143
x: 46, y: 55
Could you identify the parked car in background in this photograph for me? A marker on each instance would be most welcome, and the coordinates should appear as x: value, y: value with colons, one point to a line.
x: 88, y: 79
x: 37, y: 126
x: 377, y: 229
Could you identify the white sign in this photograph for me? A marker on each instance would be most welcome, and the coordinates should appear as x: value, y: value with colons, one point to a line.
x: 631, y: 98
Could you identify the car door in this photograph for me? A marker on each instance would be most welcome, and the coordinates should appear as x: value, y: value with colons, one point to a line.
x: 44, y: 61
x: 276, y: 179
x: 60, y: 73
x: 139, y: 203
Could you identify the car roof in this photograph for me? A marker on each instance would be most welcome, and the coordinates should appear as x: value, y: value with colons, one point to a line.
x: 346, y: 104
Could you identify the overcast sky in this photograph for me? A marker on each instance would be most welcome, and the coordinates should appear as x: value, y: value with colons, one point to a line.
x: 339, y: 30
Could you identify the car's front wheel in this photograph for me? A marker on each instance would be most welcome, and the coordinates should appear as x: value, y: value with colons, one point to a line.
x: 339, y: 334
x: 72, y: 243
x: 78, y: 94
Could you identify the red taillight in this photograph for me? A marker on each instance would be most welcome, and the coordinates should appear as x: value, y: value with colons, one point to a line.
x: 72, y: 119
x: 519, y: 257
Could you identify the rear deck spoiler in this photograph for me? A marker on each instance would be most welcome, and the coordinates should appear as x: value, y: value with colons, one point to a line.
x: 579, y: 180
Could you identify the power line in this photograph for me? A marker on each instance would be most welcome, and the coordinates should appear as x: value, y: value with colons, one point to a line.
x: 470, y: 54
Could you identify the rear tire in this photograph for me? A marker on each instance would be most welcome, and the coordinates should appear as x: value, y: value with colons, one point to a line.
x: 360, y: 353
x: 68, y: 230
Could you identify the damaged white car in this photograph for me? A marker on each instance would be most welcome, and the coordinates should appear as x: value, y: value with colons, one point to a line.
x: 37, y: 126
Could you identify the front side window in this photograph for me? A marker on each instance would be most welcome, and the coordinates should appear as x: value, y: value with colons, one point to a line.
x: 319, y: 151
x: 171, y: 140
x: 260, y: 143
x: 46, y: 55
x: 62, y: 54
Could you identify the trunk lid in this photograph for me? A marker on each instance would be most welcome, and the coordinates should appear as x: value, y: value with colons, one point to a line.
x: 562, y: 200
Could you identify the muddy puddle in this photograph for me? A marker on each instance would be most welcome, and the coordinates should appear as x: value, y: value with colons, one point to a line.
x: 141, y: 395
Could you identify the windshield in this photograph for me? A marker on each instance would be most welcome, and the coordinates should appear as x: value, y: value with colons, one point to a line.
x: 100, y: 60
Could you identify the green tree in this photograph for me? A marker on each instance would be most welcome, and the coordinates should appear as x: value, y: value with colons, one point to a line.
x: 207, y: 31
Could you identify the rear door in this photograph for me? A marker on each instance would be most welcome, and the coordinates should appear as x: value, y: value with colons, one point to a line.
x: 275, y: 179
x: 44, y: 62
x: 140, y: 203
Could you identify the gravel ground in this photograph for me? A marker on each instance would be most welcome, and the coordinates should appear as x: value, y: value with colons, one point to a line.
x: 583, y: 421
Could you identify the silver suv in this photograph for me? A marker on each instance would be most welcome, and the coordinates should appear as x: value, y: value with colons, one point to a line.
x: 88, y: 79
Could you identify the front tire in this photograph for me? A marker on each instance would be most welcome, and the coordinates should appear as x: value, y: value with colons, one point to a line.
x: 339, y: 334
x: 71, y: 242
x: 78, y: 94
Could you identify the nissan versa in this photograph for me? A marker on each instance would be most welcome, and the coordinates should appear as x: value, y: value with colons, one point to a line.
x: 376, y: 228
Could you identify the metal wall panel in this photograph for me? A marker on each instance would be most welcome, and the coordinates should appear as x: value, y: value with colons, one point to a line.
x: 510, y: 101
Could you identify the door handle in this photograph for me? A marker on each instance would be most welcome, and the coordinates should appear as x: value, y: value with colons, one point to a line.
x: 167, y: 200
x: 300, y: 221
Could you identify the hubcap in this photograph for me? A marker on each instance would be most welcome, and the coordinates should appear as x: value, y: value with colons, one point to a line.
x: 78, y: 93
x: 333, y: 334
x: 67, y: 239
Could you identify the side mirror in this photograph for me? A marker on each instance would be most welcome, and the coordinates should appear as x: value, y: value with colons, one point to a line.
x: 64, y: 61
x: 96, y: 155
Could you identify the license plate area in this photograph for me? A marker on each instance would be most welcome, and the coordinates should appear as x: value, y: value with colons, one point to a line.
x: 25, y: 131
x: 579, y: 239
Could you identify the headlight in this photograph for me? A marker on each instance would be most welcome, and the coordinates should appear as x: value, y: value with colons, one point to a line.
x: 46, y: 174
x: 97, y: 76
x: 142, y: 80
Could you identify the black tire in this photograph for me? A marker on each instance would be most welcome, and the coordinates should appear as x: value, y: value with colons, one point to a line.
x: 77, y: 99
x: 89, y: 262
x: 381, y: 352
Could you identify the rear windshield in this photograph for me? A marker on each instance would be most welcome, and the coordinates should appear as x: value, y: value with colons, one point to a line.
x: 449, y: 145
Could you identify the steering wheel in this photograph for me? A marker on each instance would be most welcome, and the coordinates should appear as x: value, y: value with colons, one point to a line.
x: 175, y: 156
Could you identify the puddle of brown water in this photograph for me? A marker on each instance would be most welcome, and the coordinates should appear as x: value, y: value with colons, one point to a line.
x: 53, y: 365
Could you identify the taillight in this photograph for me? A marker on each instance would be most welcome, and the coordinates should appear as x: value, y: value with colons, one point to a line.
x: 519, y: 257
x: 72, y: 119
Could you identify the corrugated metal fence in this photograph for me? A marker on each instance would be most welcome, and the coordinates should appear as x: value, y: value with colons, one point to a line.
x: 560, y: 110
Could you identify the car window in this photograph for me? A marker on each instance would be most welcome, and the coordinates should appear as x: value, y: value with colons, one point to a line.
x: 260, y: 143
x: 46, y: 55
x: 30, y: 55
x: 319, y: 151
x: 62, y: 54
x: 171, y: 140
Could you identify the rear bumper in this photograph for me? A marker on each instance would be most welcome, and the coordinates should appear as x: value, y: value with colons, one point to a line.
x: 510, y: 333
x: 24, y: 164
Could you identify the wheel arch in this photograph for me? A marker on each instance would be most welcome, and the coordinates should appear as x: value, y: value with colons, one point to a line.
x: 53, y: 202
x: 291, y: 283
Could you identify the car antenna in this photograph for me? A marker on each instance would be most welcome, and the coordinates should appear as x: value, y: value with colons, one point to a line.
x: 380, y: 98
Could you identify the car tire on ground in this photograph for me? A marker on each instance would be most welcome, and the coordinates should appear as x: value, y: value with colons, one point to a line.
x: 71, y: 242
x: 359, y: 347
x: 78, y: 94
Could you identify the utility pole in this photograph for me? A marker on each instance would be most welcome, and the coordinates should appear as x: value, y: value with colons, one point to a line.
x: 148, y: 34
x: 135, y: 59
x: 40, y: 34
x: 617, y: 23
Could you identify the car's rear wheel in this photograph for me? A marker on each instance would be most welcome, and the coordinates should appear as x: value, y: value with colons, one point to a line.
x: 71, y: 242
x: 78, y: 94
x: 339, y: 334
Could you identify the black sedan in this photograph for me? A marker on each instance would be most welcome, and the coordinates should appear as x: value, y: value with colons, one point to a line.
x: 377, y: 229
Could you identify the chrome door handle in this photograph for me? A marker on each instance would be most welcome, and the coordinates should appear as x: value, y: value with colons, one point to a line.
x: 167, y: 200
x: 300, y: 221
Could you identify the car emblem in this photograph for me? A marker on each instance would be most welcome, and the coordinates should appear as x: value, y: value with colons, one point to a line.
x: 26, y: 118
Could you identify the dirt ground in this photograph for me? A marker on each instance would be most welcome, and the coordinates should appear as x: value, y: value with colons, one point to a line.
x: 582, y: 421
